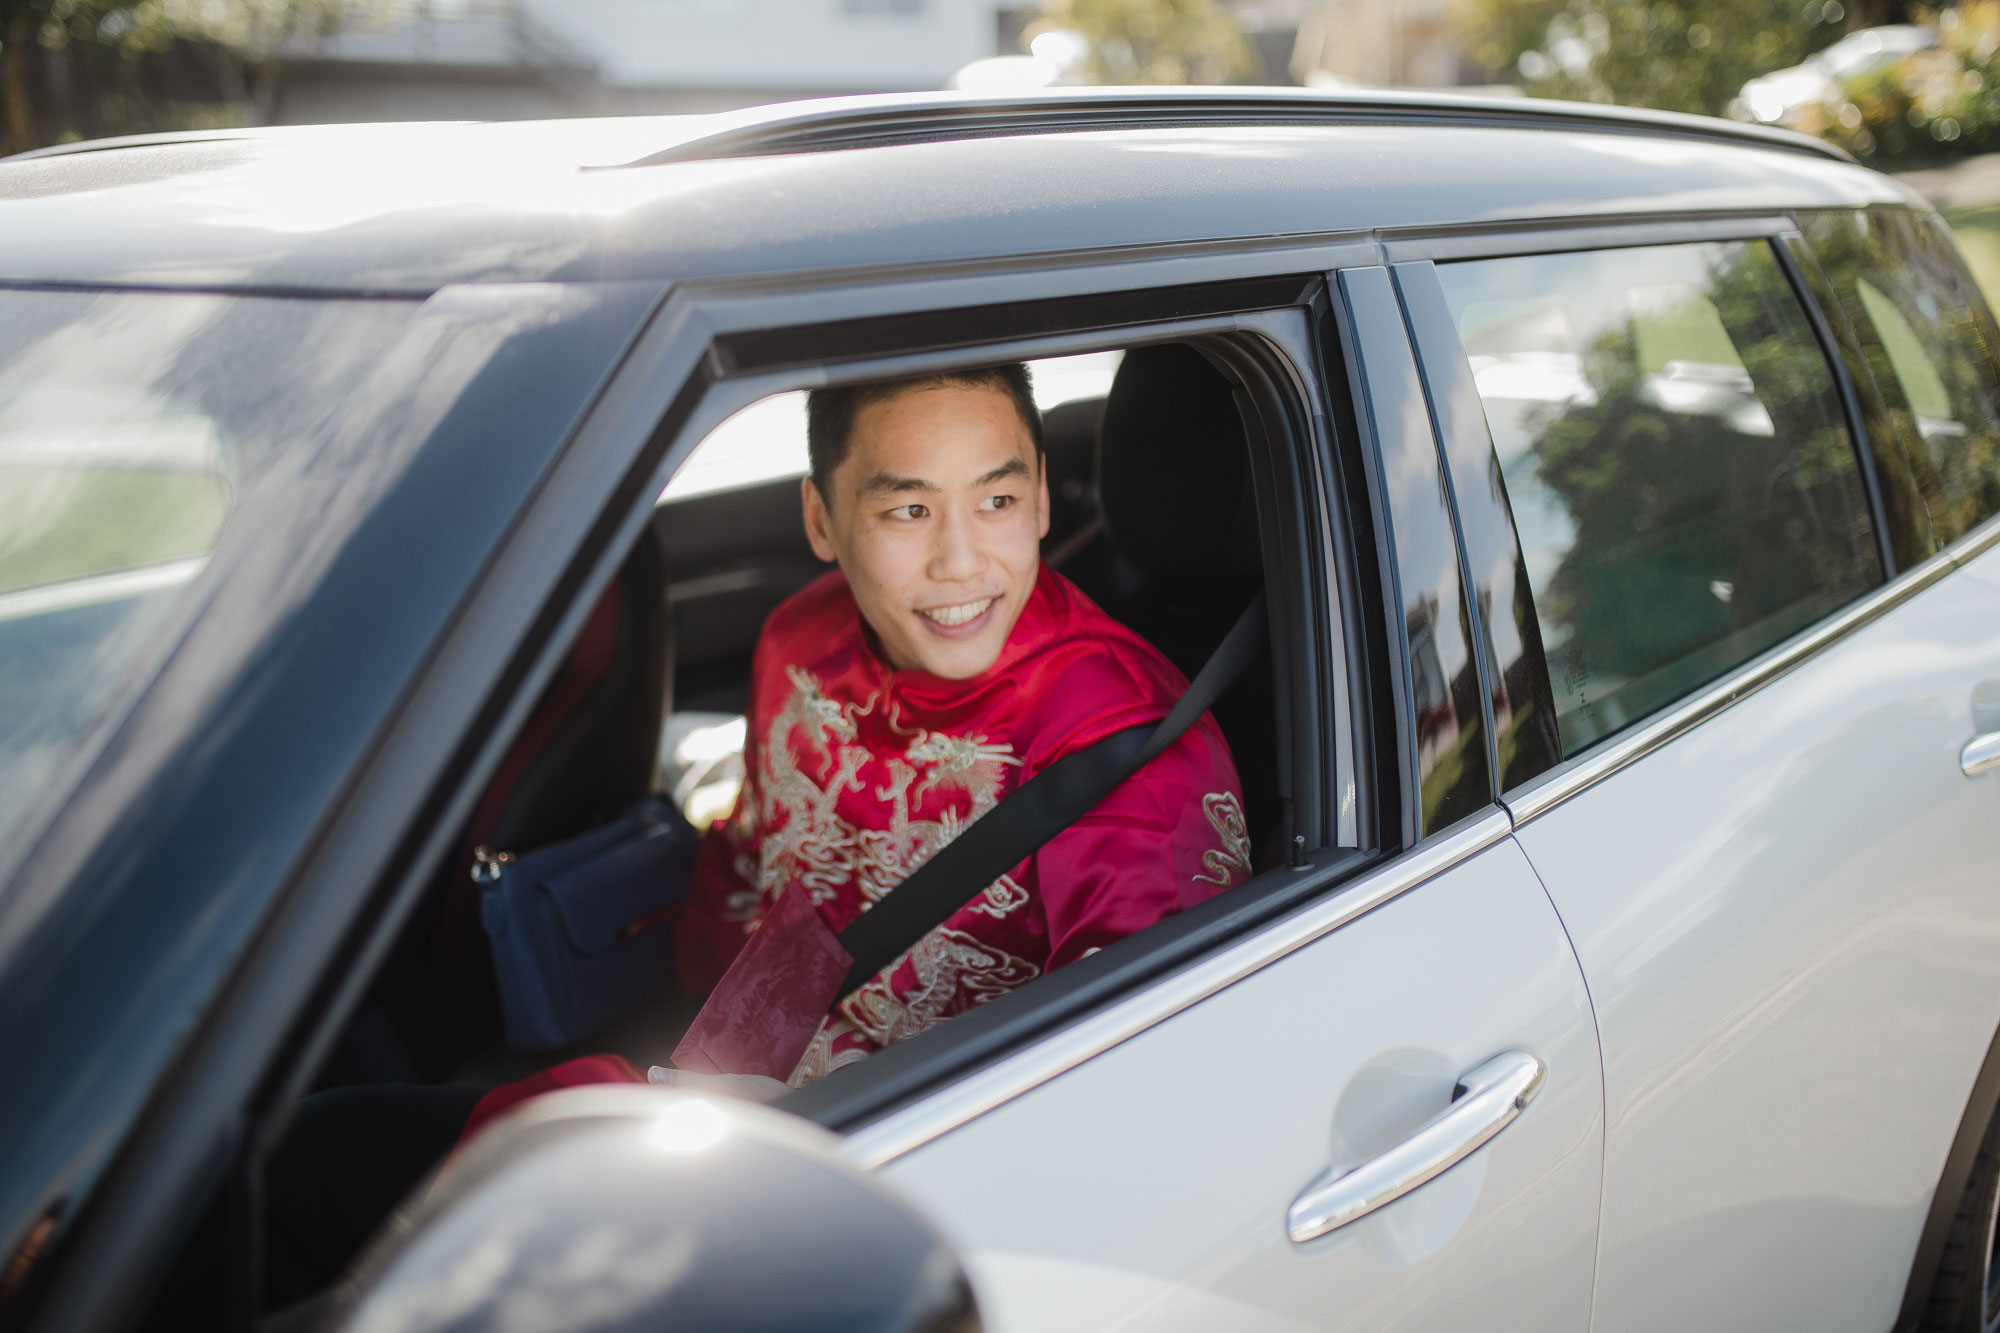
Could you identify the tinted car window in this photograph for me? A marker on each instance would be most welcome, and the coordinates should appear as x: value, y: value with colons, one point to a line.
x: 1685, y: 489
x: 1919, y: 323
x: 134, y: 428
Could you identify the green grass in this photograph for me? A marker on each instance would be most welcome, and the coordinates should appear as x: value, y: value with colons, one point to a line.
x: 1686, y: 329
x: 63, y: 522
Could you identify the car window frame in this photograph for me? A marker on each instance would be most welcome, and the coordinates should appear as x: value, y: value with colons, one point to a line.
x: 929, y: 1062
x: 1407, y: 488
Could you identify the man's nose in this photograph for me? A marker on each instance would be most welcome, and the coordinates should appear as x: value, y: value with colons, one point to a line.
x: 955, y: 555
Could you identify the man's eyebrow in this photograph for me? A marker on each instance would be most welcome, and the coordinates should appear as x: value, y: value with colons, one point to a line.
x: 888, y: 483
x: 1013, y: 467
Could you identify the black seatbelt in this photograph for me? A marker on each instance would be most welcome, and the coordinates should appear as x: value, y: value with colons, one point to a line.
x: 1039, y: 808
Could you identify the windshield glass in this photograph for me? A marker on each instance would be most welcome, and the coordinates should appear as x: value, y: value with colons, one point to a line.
x: 135, y: 430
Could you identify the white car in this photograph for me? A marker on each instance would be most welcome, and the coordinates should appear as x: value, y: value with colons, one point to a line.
x: 1778, y: 97
x: 1622, y: 768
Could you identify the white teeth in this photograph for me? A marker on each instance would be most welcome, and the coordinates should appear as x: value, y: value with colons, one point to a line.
x: 958, y: 615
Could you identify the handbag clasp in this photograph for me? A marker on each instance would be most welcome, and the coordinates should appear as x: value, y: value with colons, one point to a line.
x: 486, y: 864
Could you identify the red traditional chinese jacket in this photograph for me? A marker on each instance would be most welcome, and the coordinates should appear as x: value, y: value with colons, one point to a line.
x: 858, y: 772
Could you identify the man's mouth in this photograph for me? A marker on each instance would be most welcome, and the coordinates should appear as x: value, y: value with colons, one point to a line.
x: 951, y: 617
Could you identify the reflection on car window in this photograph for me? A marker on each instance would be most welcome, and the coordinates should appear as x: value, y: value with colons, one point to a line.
x: 98, y: 483
x: 132, y: 425
x: 1685, y: 490
x: 1914, y: 311
x: 1915, y: 373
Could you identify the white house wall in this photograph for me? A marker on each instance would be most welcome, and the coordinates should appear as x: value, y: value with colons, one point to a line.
x: 833, y: 45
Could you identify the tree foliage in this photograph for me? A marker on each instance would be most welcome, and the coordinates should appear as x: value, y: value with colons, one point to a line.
x: 1944, y: 102
x: 256, y: 29
x: 1155, y: 41
x: 82, y: 68
x: 1677, y: 55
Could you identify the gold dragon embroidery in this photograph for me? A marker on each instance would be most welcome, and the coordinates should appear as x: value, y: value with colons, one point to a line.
x: 1002, y: 896
x: 1225, y: 816
x: 806, y: 841
x: 820, y: 1058
x: 950, y: 965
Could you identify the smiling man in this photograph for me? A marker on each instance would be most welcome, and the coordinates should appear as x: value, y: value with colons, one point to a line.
x: 931, y: 498
x: 902, y: 696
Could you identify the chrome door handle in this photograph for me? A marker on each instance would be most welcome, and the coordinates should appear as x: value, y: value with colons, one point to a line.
x: 1981, y: 754
x: 1489, y: 1097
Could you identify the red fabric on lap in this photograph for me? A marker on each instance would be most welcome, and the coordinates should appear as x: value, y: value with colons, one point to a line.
x: 569, y: 1074
x: 762, y: 1015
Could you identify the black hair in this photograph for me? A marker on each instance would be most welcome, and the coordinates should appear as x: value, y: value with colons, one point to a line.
x: 830, y: 412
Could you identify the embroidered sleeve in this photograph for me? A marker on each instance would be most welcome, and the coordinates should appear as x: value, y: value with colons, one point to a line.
x: 1169, y: 837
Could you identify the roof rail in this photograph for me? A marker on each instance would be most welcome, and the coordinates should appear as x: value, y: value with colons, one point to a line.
x: 864, y: 122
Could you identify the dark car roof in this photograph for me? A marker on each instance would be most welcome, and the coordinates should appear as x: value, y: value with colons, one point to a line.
x: 862, y: 182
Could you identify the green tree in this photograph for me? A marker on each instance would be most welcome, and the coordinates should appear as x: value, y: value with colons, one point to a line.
x: 1676, y: 55
x: 1930, y: 105
x: 83, y: 68
x: 1155, y: 41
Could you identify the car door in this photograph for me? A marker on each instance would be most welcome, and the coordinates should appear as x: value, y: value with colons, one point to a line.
x: 1166, y: 1162
x: 1775, y: 874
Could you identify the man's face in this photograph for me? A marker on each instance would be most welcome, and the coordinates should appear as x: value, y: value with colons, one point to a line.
x: 936, y: 518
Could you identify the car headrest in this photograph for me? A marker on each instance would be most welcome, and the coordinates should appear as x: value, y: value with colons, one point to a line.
x: 1173, y: 468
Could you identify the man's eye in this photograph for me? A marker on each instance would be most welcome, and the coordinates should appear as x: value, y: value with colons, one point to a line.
x: 909, y: 511
x: 999, y: 502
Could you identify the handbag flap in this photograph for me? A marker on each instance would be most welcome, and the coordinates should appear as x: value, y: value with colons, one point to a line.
x: 634, y: 886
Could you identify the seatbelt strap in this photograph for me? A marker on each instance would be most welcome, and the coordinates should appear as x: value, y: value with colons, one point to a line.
x: 1035, y: 812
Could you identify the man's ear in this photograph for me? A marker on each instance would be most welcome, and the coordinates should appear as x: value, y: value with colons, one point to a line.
x: 1042, y: 475
x: 819, y: 523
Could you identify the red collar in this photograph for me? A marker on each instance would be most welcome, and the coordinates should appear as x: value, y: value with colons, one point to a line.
x: 1049, y: 616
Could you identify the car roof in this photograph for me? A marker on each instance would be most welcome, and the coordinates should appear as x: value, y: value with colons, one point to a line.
x: 863, y: 182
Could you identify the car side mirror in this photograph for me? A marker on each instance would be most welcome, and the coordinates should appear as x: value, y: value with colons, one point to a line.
x: 625, y: 1207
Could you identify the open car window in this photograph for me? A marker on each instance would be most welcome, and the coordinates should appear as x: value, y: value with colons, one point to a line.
x: 666, y: 653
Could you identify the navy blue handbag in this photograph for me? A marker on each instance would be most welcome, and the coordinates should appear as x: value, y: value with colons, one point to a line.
x: 582, y: 930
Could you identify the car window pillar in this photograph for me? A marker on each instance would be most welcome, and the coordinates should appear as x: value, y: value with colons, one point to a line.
x: 1519, y: 701
x: 1445, y: 754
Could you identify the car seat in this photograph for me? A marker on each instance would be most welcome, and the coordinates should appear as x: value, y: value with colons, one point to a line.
x: 1181, y: 555
x: 1069, y: 452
